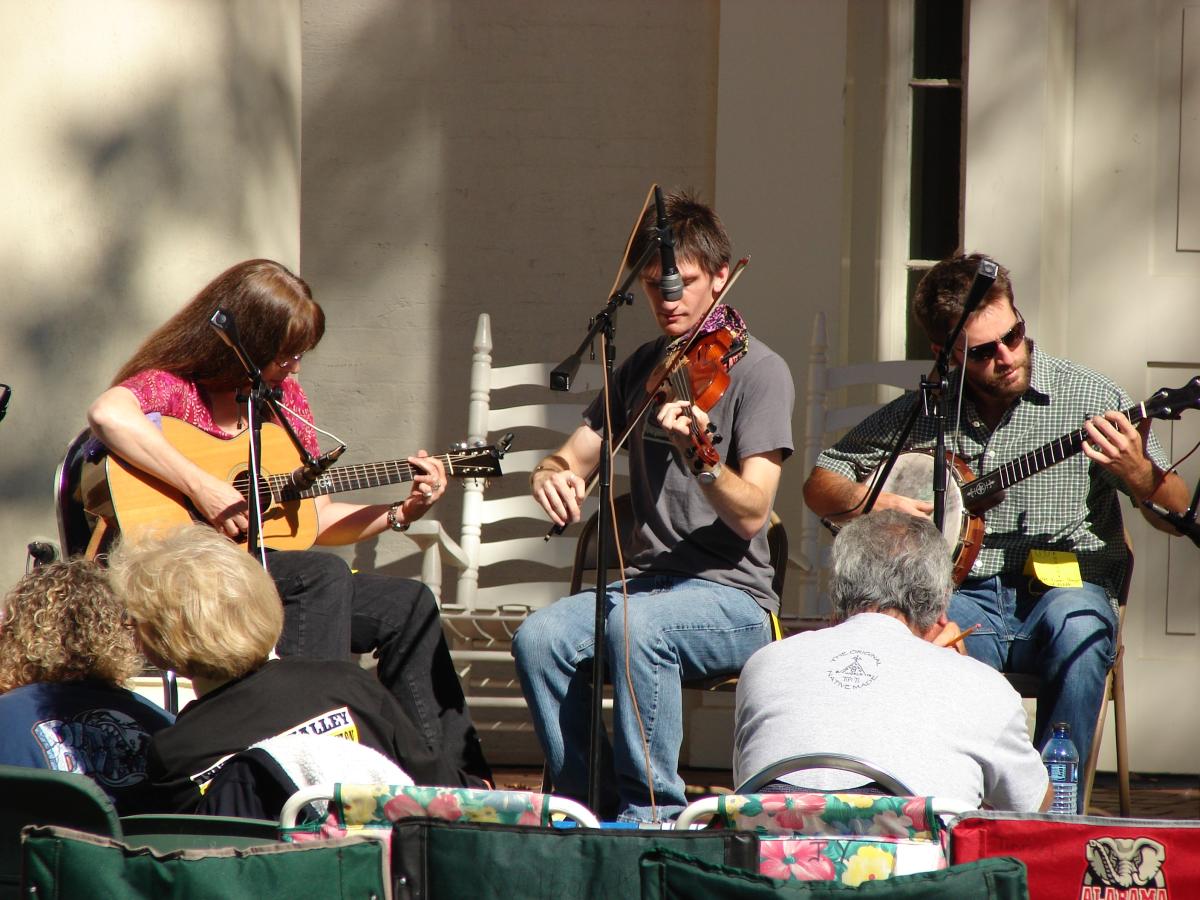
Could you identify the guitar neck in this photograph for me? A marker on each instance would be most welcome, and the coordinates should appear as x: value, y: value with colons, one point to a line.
x: 975, y: 492
x: 349, y: 478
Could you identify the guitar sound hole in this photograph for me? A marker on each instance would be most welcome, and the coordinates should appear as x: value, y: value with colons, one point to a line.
x: 242, y: 483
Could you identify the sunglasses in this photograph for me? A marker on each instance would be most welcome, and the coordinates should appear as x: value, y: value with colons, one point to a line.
x: 1012, y: 340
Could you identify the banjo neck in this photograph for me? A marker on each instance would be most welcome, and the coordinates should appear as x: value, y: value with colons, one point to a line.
x: 979, y: 493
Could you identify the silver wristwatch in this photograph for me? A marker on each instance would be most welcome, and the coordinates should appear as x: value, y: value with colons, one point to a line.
x: 709, y: 476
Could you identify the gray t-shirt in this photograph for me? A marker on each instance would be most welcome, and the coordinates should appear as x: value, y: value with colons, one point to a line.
x: 677, y: 532
x: 944, y: 724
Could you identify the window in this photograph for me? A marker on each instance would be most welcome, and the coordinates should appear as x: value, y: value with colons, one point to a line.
x: 936, y: 172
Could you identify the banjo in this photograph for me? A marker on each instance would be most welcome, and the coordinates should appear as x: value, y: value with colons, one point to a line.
x: 968, y: 497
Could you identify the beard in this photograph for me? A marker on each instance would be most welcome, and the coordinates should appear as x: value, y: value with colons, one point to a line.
x: 1005, y: 385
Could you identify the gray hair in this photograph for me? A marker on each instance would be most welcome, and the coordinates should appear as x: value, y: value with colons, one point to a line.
x: 891, y: 560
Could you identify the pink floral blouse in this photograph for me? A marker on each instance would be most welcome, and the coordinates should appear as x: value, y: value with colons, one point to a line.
x: 170, y: 395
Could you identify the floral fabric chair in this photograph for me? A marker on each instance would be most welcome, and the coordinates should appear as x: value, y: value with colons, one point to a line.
x: 848, y: 838
x: 373, y: 808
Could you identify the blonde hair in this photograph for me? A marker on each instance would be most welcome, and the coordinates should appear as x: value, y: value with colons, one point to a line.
x: 62, y: 622
x: 200, y: 605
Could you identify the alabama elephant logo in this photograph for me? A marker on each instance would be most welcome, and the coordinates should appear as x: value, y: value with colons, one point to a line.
x: 1124, y: 869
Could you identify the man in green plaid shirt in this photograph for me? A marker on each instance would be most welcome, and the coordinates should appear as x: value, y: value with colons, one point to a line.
x: 1016, y: 399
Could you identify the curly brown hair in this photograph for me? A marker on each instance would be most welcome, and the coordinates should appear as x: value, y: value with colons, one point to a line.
x: 62, y: 622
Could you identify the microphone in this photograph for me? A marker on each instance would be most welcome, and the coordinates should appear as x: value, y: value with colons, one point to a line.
x: 306, y: 476
x: 985, y: 275
x: 670, y: 282
x: 222, y: 321
x: 1184, y: 523
x: 41, y: 553
x: 5, y: 393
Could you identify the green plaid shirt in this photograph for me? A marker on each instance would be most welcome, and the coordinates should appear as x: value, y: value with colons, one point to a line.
x: 1070, y: 506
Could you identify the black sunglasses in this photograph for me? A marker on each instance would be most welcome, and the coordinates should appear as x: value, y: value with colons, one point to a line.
x: 1012, y: 340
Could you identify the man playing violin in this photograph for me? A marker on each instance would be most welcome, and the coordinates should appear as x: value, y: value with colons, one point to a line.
x: 1016, y: 399
x: 697, y: 565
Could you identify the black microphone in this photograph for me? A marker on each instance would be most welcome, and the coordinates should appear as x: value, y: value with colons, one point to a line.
x: 41, y: 553
x: 226, y: 327
x: 670, y: 282
x: 985, y: 275
x: 306, y: 476
x: 5, y: 393
x: 1184, y: 523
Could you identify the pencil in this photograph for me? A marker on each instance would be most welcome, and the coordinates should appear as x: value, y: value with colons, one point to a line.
x: 963, y: 634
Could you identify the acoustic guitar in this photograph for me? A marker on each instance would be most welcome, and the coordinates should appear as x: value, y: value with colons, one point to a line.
x: 136, y: 502
x: 968, y: 497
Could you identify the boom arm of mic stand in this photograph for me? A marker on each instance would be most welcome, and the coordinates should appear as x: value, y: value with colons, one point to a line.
x: 560, y: 377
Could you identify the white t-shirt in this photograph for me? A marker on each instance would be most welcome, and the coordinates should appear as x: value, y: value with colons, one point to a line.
x: 944, y: 724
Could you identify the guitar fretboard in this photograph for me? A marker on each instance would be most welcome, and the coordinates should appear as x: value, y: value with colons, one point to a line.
x: 348, y: 478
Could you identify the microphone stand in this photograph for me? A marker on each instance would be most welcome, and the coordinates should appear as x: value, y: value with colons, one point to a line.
x: 261, y: 403
x: 602, y: 324
x: 930, y: 404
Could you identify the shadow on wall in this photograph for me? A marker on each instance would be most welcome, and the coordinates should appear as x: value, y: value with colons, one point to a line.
x: 469, y: 157
x: 167, y: 192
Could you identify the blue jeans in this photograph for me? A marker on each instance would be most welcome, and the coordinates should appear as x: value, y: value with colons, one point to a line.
x: 1066, y: 636
x: 679, y: 628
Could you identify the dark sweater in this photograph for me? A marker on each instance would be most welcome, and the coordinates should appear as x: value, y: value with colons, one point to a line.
x: 285, y: 696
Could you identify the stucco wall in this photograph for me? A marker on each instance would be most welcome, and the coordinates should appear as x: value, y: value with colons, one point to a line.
x: 474, y: 157
x: 147, y: 145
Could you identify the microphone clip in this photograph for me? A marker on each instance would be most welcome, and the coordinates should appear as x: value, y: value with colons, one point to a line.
x: 306, y: 476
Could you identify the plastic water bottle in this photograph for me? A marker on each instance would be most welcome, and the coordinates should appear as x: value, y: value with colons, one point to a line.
x: 1062, y: 765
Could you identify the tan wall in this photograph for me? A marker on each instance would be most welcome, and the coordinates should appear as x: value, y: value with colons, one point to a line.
x: 147, y: 145
x: 474, y: 157
x: 1073, y: 180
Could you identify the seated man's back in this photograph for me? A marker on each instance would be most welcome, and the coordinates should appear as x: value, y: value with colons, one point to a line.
x: 883, y: 687
x: 942, y: 723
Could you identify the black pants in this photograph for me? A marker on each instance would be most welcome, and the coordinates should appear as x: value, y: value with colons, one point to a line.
x: 330, y: 613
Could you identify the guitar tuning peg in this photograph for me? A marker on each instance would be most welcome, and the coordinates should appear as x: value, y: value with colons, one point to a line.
x: 716, y: 438
x: 458, y: 446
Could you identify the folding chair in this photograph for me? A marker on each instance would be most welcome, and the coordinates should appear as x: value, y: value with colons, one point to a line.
x: 45, y: 797
x: 63, y: 863
x: 844, y: 836
x: 177, y: 831
x: 355, y: 808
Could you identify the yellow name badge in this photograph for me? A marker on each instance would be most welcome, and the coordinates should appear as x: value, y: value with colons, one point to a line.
x: 1054, y: 568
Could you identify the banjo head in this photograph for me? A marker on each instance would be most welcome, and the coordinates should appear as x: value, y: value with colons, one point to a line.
x: 912, y: 476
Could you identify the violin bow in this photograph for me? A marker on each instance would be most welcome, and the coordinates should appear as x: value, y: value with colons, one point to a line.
x: 680, y: 352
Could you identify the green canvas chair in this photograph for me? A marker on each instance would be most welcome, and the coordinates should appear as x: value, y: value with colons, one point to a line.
x: 43, y: 797
x: 177, y: 831
x: 673, y: 876
x: 62, y: 864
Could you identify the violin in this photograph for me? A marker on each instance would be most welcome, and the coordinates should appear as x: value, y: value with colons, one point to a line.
x: 699, y: 376
x: 704, y: 359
